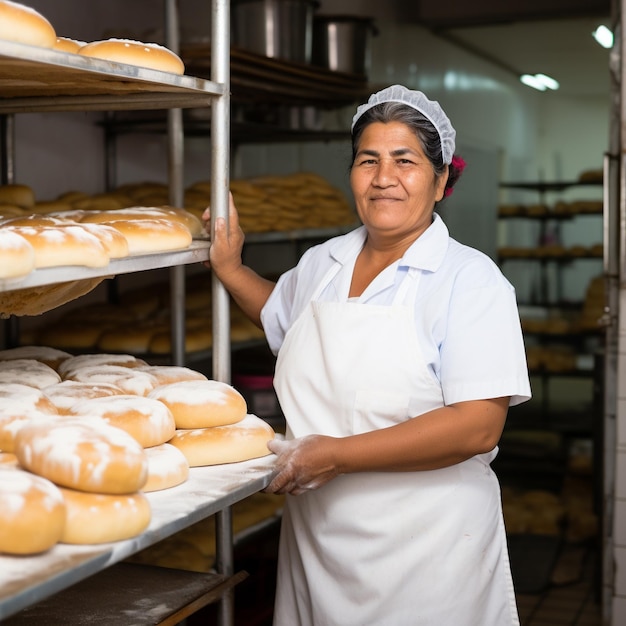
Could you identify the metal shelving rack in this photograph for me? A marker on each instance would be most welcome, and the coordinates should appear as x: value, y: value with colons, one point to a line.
x: 41, y: 80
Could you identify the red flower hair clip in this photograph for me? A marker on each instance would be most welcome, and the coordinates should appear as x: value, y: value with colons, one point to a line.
x: 459, y: 165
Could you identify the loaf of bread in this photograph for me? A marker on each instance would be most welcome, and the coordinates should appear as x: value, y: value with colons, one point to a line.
x: 242, y: 441
x: 93, y: 518
x: 66, y: 44
x: 201, y: 403
x: 148, y: 421
x: 68, y: 393
x: 88, y: 455
x: 14, y: 193
x: 22, y: 24
x: 131, y: 52
x: 71, y: 245
x: 52, y: 357
x: 167, y: 467
x: 17, y: 256
x: 28, y: 372
x: 130, y: 380
x: 32, y: 513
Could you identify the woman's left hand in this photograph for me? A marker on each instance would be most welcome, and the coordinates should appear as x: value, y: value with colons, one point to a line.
x: 302, y: 464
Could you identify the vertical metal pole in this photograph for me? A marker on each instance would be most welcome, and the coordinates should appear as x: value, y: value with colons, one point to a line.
x: 7, y: 177
x: 614, y: 233
x: 175, y: 138
x: 220, y: 175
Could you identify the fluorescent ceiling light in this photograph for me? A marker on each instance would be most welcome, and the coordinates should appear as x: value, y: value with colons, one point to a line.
x: 540, y: 82
x: 603, y: 36
x: 548, y: 81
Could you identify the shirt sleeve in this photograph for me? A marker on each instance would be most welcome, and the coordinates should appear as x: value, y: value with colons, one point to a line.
x: 483, y: 354
x: 276, y: 315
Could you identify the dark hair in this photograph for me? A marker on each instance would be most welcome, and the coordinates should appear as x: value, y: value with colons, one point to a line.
x: 425, y: 132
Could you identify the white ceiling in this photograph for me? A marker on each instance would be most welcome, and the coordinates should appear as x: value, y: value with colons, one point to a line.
x: 561, y: 48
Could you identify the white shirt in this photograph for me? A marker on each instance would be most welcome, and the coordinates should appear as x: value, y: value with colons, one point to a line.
x: 466, y: 315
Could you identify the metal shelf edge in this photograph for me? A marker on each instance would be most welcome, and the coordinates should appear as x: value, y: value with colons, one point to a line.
x: 197, y: 252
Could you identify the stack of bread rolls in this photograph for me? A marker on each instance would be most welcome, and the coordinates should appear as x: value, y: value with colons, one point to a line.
x: 94, y: 432
x: 33, y: 240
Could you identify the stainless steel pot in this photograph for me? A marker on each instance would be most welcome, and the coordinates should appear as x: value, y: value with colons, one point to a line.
x: 342, y: 43
x: 281, y: 29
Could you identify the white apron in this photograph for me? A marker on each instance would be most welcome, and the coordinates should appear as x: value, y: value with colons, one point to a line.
x: 392, y: 548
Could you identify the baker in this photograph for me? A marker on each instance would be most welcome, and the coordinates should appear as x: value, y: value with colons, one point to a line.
x: 399, y: 352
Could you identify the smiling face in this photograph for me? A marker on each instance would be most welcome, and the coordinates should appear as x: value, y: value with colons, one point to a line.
x: 393, y: 182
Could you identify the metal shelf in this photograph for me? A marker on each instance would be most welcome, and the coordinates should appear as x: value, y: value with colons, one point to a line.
x: 25, y: 580
x: 549, y: 186
x: 39, y: 79
x: 197, y: 252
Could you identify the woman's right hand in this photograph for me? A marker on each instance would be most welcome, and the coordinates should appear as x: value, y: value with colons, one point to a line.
x: 226, y: 243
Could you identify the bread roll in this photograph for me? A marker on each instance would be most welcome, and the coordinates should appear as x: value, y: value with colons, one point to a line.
x: 74, y: 335
x: 19, y: 195
x: 71, y: 245
x: 11, y: 423
x: 134, y: 337
x: 32, y: 513
x: 148, y: 421
x: 66, y: 394
x: 87, y: 455
x: 93, y: 518
x: 44, y: 207
x: 149, y: 55
x: 28, y: 372
x: 196, y: 340
x: 23, y: 24
x: 242, y: 441
x: 112, y: 239
x: 129, y: 380
x: 167, y: 467
x: 133, y: 213
x: 202, y: 403
x: 18, y: 398
x: 17, y: 256
x: 18, y: 405
x: 147, y: 236
x: 78, y: 362
x: 65, y: 44
x: 52, y: 357
x: 8, y: 460
x: 168, y: 374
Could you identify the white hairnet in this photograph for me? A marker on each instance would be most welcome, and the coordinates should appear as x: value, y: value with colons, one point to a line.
x: 418, y: 101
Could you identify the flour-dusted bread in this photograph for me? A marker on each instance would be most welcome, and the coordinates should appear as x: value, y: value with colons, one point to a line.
x: 32, y: 513
x: 242, y: 441
x: 17, y: 256
x: 202, y: 403
x: 68, y: 393
x: 167, y: 467
x: 93, y: 518
x: 148, y: 421
x: 88, y: 455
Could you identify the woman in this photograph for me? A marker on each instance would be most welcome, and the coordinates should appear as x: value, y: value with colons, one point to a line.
x: 399, y: 353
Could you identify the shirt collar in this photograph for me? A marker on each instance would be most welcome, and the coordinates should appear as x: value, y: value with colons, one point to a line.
x: 426, y: 253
